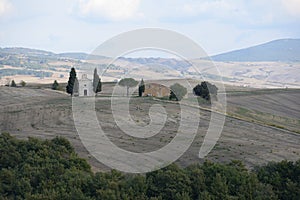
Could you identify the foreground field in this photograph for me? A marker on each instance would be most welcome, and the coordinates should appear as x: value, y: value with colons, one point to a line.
x: 44, y: 113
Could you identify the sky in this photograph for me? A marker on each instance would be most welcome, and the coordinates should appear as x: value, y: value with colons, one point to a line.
x: 81, y: 25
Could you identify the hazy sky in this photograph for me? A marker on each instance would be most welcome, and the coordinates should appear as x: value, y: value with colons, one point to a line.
x: 81, y: 25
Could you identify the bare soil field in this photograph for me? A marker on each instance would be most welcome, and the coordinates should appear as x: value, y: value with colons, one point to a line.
x: 45, y: 113
x: 279, y: 108
x: 278, y: 102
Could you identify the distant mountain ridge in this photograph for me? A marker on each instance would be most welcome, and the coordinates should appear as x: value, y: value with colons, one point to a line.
x: 46, y: 54
x: 240, y: 67
x: 287, y: 50
x: 22, y: 50
x: 276, y: 50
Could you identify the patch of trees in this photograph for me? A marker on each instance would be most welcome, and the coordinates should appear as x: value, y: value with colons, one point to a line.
x: 111, y: 67
x: 50, y: 169
x: 284, y: 177
x: 177, y: 92
x: 36, y: 169
x: 11, y: 60
x: 13, y: 72
x: 205, y: 90
x: 128, y: 83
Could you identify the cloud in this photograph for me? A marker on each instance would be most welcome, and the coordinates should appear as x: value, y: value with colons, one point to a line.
x: 254, y: 13
x: 292, y: 7
x: 218, y: 8
x: 5, y: 7
x: 115, y: 10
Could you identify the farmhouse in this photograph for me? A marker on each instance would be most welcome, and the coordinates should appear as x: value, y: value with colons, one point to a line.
x: 85, y: 86
x: 156, y: 90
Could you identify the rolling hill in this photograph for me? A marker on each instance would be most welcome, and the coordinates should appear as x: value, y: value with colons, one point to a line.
x: 286, y: 50
x: 273, y: 64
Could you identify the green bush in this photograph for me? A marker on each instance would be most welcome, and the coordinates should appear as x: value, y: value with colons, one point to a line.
x: 177, y: 92
x: 55, y: 86
x: 205, y: 90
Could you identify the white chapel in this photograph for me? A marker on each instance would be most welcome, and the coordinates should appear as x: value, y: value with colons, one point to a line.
x: 85, y: 86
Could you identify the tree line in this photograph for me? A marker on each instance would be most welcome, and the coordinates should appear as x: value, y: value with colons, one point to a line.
x: 50, y: 169
x: 204, y: 90
x: 14, y: 84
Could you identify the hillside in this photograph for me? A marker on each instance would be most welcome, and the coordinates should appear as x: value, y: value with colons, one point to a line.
x: 25, y: 51
x: 273, y: 64
x: 278, y: 50
x: 249, y: 135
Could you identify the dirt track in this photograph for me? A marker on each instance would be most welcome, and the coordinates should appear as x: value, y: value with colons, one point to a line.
x: 44, y: 113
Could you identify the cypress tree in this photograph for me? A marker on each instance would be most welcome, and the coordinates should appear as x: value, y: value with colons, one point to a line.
x: 141, y: 88
x: 13, y: 84
x: 97, y: 85
x: 95, y: 80
x: 71, y: 81
x: 76, y: 86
